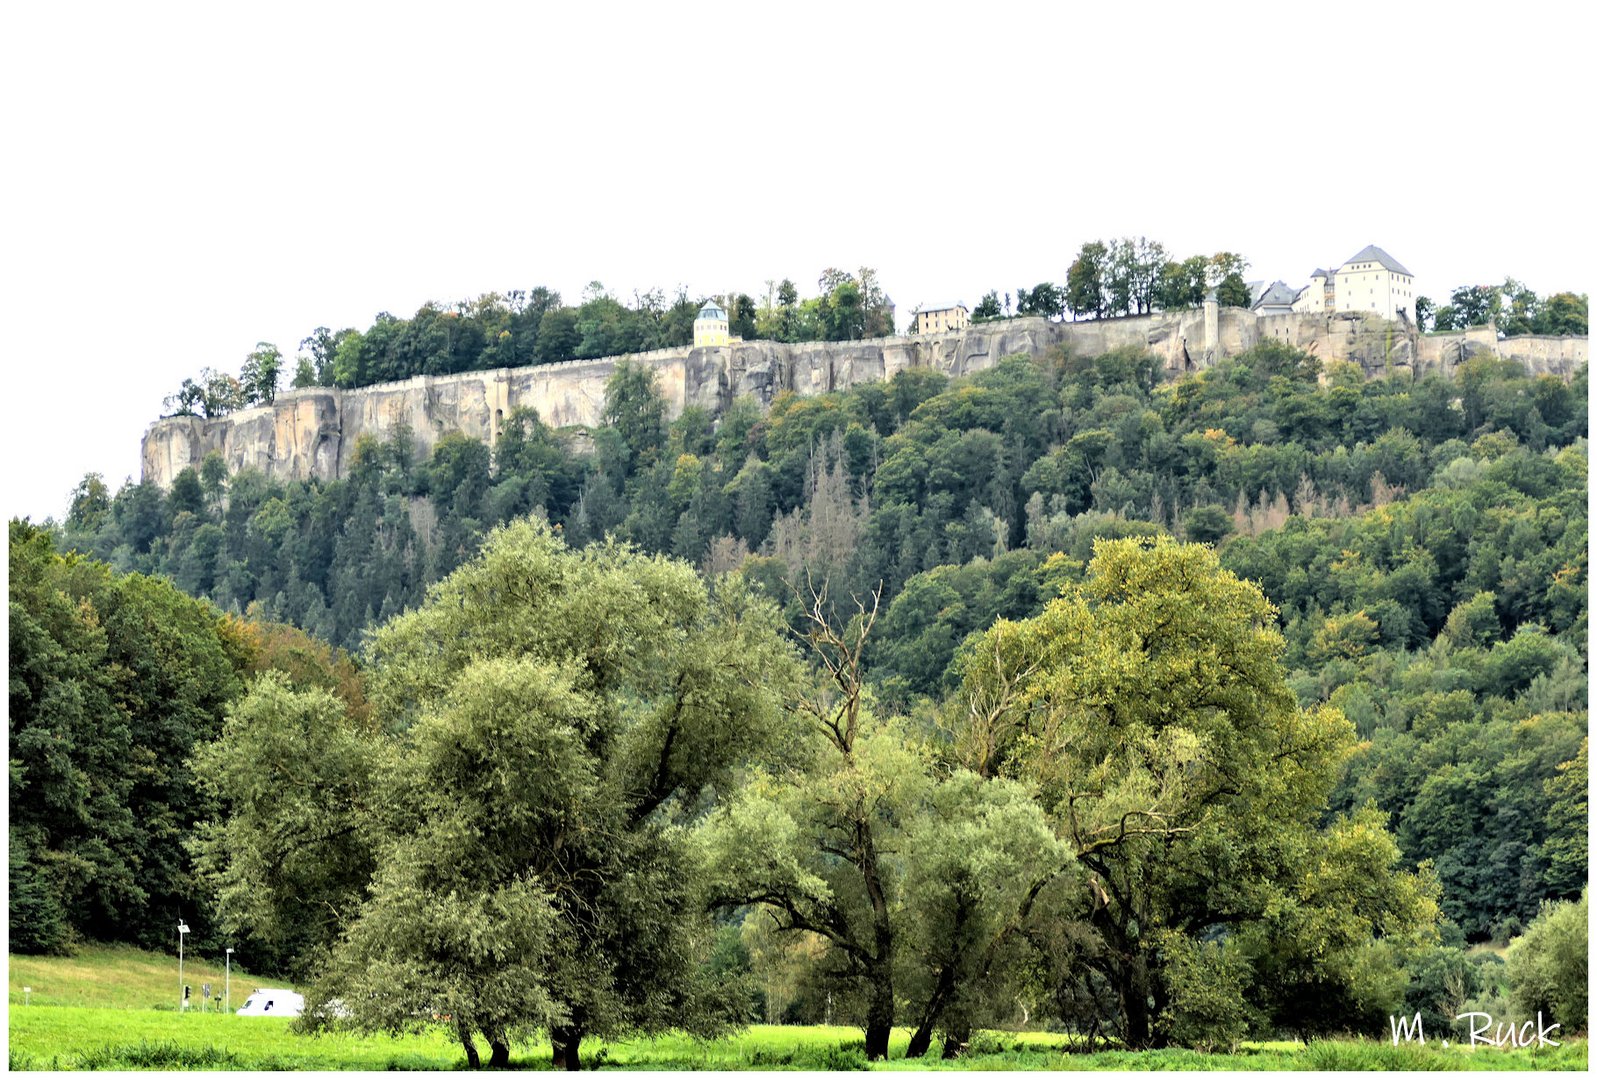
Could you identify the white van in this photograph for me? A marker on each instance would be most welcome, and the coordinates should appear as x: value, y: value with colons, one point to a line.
x: 273, y: 1003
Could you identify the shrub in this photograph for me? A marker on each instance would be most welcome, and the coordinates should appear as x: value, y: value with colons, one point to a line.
x: 1547, y: 966
x: 161, y: 1054
x: 1342, y: 1055
x: 1207, y: 981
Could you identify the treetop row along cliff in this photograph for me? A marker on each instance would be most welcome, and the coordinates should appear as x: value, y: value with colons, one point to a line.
x: 313, y: 432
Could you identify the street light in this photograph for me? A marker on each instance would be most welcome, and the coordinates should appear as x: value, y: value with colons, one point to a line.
x: 227, y: 984
x: 182, y: 928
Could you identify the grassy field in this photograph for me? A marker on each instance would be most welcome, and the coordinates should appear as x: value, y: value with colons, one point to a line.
x: 90, y: 1012
x: 122, y: 977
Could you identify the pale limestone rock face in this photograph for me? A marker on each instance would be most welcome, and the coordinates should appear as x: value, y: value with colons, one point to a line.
x: 314, y: 433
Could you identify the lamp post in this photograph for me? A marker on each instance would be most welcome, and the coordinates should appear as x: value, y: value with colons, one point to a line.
x: 227, y: 984
x: 182, y: 928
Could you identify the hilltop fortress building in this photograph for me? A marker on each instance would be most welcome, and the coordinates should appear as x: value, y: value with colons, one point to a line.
x: 1370, y: 281
x: 314, y: 432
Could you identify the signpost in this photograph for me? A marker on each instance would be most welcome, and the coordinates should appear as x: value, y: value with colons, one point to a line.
x: 183, y: 990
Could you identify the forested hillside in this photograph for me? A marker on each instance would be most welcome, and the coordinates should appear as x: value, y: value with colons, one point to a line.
x: 1421, y: 544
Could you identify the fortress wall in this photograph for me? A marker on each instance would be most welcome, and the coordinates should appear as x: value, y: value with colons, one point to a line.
x: 1545, y: 354
x: 1445, y: 351
x: 314, y: 432
x: 1541, y: 354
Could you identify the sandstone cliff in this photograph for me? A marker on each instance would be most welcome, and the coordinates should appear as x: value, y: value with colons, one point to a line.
x: 313, y: 432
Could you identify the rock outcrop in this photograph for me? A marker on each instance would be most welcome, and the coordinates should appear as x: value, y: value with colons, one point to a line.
x: 314, y: 432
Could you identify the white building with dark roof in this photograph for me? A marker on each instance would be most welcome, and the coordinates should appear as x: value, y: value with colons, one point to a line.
x: 1316, y: 295
x: 1370, y: 281
x: 1276, y: 299
x: 941, y: 318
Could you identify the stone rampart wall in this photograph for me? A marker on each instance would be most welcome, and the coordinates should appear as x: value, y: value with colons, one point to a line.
x: 314, y: 432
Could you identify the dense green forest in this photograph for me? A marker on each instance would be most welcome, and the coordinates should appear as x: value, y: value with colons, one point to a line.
x: 1376, y: 627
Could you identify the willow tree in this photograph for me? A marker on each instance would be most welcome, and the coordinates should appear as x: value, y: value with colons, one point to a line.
x: 1148, y: 712
x: 908, y: 875
x: 555, y: 716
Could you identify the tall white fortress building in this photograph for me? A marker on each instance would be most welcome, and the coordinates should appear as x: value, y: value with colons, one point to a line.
x: 1370, y: 281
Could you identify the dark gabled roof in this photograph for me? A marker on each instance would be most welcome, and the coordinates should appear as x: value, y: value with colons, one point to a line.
x: 1318, y: 273
x: 1373, y: 254
x: 1278, y: 293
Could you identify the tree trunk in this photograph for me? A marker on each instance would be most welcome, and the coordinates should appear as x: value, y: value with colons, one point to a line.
x: 500, y: 1056
x: 879, y: 1013
x: 1134, y: 1005
x: 464, y: 1034
x: 567, y: 1043
x: 920, y: 1042
x: 955, y: 1041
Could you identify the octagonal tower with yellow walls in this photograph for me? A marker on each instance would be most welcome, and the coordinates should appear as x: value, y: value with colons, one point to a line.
x: 711, y: 330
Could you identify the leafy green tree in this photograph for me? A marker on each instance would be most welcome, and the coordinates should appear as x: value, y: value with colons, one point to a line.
x: 1207, y: 524
x: 1520, y: 307
x: 531, y: 471
x: 741, y: 317
x: 219, y: 394
x: 114, y: 679
x: 90, y: 507
x: 1475, y: 305
x: 1207, y: 984
x: 350, y: 364
x: 983, y: 852
x: 189, y: 398
x: 1562, y: 313
x: 186, y: 495
x: 1441, y: 982
x: 910, y: 880
x: 1147, y: 711
x: 559, y: 335
x: 1182, y: 284
x: 1567, y: 823
x: 1045, y: 299
x: 1233, y: 291
x: 1225, y: 264
x: 634, y: 407
x: 262, y: 368
x: 1132, y: 269
x: 321, y: 344
x: 290, y: 853
x: 987, y: 309
x: 565, y: 886
x: 1084, y: 282
x: 1327, y: 948
x: 1547, y: 967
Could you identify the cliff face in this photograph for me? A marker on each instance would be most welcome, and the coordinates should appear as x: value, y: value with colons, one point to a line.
x: 313, y: 433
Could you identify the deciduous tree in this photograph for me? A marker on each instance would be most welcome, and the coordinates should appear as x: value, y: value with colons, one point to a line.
x: 559, y: 713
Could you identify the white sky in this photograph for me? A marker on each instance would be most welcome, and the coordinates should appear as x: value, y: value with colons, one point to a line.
x: 182, y: 182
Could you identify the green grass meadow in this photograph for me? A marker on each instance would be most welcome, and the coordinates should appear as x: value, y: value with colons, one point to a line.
x: 93, y: 1011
